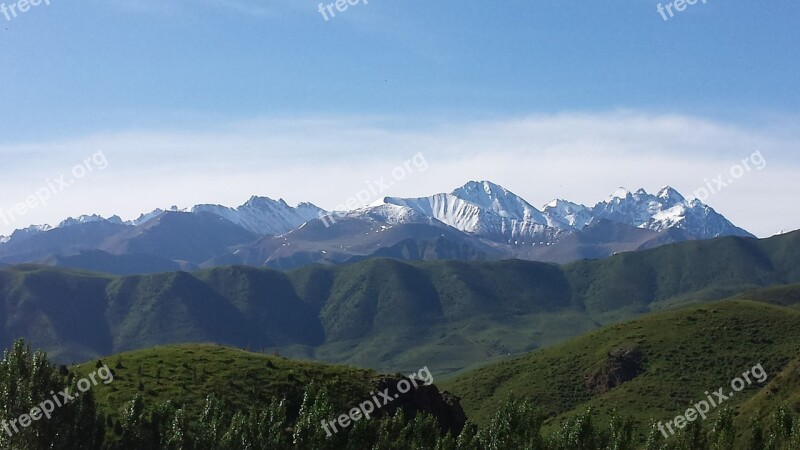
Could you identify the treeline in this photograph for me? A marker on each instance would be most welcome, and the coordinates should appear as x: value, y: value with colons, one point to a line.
x: 27, y: 378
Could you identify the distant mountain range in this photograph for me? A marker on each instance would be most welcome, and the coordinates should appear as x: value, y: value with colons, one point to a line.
x: 478, y: 221
x: 381, y: 313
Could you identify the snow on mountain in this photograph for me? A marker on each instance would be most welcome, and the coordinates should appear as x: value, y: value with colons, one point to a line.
x: 146, y: 217
x: 263, y: 215
x: 483, y: 209
x: 621, y: 193
x: 387, y: 212
x: 668, y: 209
x: 490, y: 211
x: 25, y: 233
x: 670, y: 195
x: 88, y: 219
x: 499, y: 200
x: 308, y: 211
x: 575, y: 215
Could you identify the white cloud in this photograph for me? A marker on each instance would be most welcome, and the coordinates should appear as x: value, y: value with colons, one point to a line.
x: 581, y: 157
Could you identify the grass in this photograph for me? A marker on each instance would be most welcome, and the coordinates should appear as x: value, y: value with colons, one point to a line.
x: 686, y: 352
x: 381, y: 313
x: 187, y: 374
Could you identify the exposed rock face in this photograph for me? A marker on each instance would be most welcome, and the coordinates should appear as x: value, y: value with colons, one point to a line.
x: 622, y: 365
x: 422, y: 399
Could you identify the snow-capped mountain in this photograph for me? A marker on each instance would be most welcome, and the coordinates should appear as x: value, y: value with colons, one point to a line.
x: 88, y: 219
x: 480, y: 219
x: 146, y: 217
x: 29, y: 231
x: 575, y: 215
x: 381, y: 211
x: 666, y: 210
x: 259, y: 215
x: 262, y: 215
x: 482, y: 209
x: 487, y: 210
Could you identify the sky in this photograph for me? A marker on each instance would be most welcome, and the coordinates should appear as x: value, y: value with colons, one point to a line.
x: 181, y: 102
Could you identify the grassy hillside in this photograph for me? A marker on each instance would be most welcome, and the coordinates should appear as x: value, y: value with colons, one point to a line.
x: 669, y: 360
x: 778, y: 295
x: 783, y: 390
x: 187, y: 374
x: 382, y: 313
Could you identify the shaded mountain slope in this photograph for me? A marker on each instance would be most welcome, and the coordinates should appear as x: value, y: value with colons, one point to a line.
x: 382, y: 313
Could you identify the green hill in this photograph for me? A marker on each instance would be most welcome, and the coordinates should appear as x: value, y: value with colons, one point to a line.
x: 187, y: 374
x: 777, y: 295
x: 381, y: 313
x: 652, y: 368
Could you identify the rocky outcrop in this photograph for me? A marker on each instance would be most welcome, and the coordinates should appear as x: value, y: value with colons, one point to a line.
x: 445, y: 406
x: 621, y: 365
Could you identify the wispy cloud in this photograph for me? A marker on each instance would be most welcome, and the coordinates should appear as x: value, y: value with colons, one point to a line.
x: 578, y: 156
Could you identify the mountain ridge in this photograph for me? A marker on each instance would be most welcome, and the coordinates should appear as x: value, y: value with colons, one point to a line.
x: 479, y: 220
x: 382, y: 313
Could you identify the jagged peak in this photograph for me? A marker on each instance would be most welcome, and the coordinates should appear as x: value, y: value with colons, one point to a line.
x: 485, y: 186
x: 671, y: 194
x: 620, y: 193
x: 262, y: 200
x: 561, y: 202
x: 69, y: 221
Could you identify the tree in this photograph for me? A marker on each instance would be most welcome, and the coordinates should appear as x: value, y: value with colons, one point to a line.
x: 621, y: 433
x: 723, y: 434
x: 309, y: 433
x: 213, y: 423
x: 27, y: 381
x: 515, y: 425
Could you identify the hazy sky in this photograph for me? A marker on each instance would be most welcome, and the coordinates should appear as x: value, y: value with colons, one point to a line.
x: 212, y: 101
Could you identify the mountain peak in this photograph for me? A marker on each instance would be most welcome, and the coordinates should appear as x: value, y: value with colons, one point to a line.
x: 671, y: 195
x: 304, y: 205
x: 620, y: 193
x: 554, y: 203
x: 70, y: 221
x: 481, y: 186
x: 478, y: 208
x: 264, y: 201
x: 493, y: 197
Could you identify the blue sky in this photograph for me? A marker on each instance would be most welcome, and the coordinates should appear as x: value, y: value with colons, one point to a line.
x: 141, y: 79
